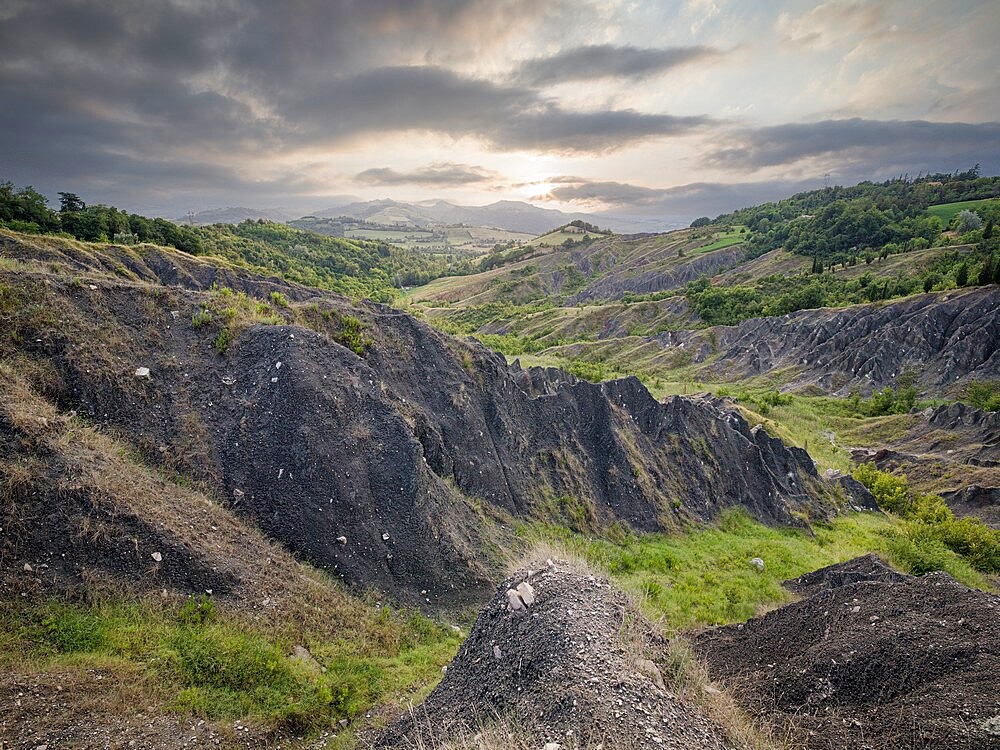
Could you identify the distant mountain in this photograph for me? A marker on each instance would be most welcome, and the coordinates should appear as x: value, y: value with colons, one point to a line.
x: 234, y: 215
x: 514, y: 216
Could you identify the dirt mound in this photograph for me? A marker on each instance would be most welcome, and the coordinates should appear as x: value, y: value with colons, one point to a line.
x: 865, y: 568
x: 903, y: 663
x: 567, y: 661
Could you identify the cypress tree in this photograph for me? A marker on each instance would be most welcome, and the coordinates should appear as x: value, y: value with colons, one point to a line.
x: 962, y: 275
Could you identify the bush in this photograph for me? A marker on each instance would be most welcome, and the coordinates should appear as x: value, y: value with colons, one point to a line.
x: 983, y: 394
x: 891, y: 492
x: 197, y: 611
x: 932, y: 526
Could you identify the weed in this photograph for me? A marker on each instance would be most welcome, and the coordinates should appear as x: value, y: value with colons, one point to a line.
x: 221, y: 342
x: 202, y: 318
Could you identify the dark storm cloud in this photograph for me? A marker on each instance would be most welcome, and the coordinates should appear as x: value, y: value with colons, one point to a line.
x: 442, y: 101
x: 91, y: 90
x: 917, y: 144
x: 437, y: 175
x: 606, y: 61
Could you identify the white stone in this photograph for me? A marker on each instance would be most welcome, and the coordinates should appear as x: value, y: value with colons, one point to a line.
x: 757, y: 563
x: 527, y: 593
x: 157, y: 557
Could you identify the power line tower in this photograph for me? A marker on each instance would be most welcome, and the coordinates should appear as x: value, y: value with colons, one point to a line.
x: 826, y: 180
x: 190, y: 217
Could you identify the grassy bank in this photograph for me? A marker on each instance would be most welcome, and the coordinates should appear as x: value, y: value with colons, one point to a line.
x: 705, y: 577
x: 197, y: 661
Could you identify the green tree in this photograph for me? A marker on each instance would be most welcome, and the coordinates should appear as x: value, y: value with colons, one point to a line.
x: 962, y: 275
x: 70, y: 202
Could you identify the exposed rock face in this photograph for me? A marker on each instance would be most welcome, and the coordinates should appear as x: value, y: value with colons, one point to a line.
x: 975, y: 500
x: 317, y: 444
x: 573, y: 664
x: 951, y: 450
x: 872, y: 659
x: 946, y: 339
x: 625, y: 278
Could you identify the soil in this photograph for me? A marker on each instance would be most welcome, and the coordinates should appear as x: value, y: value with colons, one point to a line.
x: 564, y: 669
x: 870, y: 660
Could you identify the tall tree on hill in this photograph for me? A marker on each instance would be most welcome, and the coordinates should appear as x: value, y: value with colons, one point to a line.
x: 962, y: 275
x: 69, y: 202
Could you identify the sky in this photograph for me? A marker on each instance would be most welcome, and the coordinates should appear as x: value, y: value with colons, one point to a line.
x: 672, y: 108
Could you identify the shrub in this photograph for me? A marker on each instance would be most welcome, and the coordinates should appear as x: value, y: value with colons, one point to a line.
x: 932, y: 526
x: 221, y: 342
x: 984, y: 394
x: 892, y: 493
x: 197, y: 611
x: 279, y: 300
x: 202, y: 318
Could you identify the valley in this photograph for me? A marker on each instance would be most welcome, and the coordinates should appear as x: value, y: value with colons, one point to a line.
x: 262, y: 487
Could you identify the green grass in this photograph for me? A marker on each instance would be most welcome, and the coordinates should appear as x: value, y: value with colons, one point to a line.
x: 948, y: 211
x: 704, y: 577
x: 218, y: 667
x: 726, y: 241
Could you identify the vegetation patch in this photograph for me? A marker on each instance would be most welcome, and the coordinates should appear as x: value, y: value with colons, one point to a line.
x: 704, y: 576
x: 217, y: 666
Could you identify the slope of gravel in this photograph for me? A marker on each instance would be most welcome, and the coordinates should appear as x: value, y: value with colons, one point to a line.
x: 571, y: 666
x: 874, y: 664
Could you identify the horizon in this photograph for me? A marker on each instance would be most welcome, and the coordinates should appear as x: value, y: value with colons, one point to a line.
x: 665, y: 111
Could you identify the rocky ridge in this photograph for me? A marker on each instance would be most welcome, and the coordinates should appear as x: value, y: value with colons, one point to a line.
x: 395, y: 462
x: 946, y: 339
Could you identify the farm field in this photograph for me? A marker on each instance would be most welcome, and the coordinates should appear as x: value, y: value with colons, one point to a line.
x: 948, y: 211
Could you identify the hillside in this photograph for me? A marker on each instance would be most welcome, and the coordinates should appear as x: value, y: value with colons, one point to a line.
x: 201, y: 461
x: 514, y: 216
x: 422, y: 424
x: 169, y: 421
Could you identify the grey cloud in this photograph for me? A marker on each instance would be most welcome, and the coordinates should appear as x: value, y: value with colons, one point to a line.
x: 442, y: 174
x: 92, y: 91
x: 913, y: 144
x: 683, y: 202
x: 440, y: 100
x: 606, y: 61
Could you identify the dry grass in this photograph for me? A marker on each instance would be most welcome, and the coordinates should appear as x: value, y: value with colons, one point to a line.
x: 688, y: 676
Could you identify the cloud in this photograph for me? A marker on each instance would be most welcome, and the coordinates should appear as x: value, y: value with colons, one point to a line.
x: 680, y: 202
x: 833, y: 21
x: 441, y: 174
x: 606, y: 61
x: 847, y: 144
x: 506, y: 118
x: 602, y: 192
